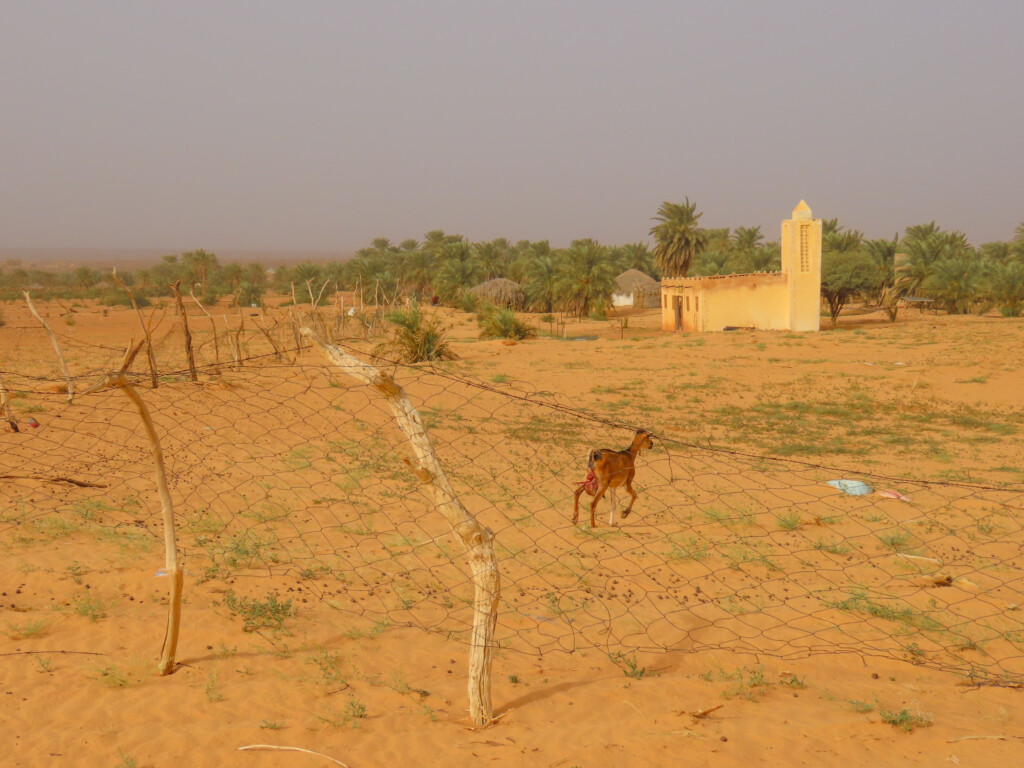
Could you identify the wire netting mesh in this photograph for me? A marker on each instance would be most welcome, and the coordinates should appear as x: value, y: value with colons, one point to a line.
x: 292, y: 475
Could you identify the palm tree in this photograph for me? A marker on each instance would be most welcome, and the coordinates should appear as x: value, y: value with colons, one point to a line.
x: 923, y: 247
x: 636, y: 256
x: 1004, y: 286
x: 713, y: 262
x: 493, y: 257
x: 85, y: 278
x: 834, y: 238
x: 232, y: 275
x: 199, y: 264
x: 955, y: 281
x: 678, y: 238
x: 747, y: 238
x: 539, y: 278
x: 416, y: 269
x: 883, y: 255
x: 585, y: 279
x: 458, y: 271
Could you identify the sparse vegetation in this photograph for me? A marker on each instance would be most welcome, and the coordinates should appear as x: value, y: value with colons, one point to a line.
x: 905, y: 720
x: 269, y: 613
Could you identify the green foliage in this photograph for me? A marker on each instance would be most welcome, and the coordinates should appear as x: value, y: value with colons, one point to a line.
x: 585, y: 279
x: 503, y: 324
x: 249, y: 294
x: 415, y: 339
x: 1004, y: 286
x: 269, y: 613
x: 115, y: 297
x: 844, y: 274
x: 469, y: 302
x: 904, y: 719
x: 630, y: 666
x: 678, y: 239
x: 954, y: 282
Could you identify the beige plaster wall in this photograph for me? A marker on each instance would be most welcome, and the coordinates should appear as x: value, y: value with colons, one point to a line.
x: 754, y: 301
x: 786, y: 300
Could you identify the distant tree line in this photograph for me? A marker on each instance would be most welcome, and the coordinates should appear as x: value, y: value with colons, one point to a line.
x: 927, y: 262
x: 444, y: 267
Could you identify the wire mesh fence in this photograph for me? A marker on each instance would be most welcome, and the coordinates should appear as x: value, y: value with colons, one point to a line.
x: 290, y: 477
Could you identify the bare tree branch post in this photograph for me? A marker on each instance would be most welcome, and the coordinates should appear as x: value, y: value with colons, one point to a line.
x: 216, y: 344
x: 478, y: 539
x: 175, y: 286
x: 5, y: 407
x: 171, y: 562
x: 56, y: 346
x: 273, y: 346
x: 145, y: 330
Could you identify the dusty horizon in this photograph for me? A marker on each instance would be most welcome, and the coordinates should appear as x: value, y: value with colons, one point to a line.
x: 274, y: 128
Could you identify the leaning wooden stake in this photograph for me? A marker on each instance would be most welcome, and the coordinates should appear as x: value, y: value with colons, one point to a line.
x: 56, y: 346
x: 216, y: 345
x: 5, y: 408
x: 145, y: 330
x: 188, y: 336
x: 478, y: 540
x: 270, y: 339
x: 171, y: 562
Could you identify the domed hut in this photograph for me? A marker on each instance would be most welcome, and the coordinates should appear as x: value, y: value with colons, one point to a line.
x: 636, y: 289
x: 501, y: 292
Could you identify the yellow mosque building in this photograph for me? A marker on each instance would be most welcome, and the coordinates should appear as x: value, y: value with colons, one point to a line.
x: 788, y: 300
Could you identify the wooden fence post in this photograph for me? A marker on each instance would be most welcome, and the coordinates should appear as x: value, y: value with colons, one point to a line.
x: 478, y: 540
x: 188, y: 336
x: 171, y: 562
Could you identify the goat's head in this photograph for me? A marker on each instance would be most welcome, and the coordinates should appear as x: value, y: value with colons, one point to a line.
x: 643, y: 439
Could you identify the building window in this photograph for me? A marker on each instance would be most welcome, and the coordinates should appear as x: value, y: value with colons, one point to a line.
x: 687, y: 303
x: 696, y: 303
x: 805, y: 248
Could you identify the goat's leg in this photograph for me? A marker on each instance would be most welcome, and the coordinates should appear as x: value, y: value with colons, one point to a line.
x: 629, y: 487
x: 615, y: 505
x: 597, y: 497
x: 576, y: 504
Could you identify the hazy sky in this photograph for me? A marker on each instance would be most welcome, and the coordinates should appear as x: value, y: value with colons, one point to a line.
x: 320, y: 125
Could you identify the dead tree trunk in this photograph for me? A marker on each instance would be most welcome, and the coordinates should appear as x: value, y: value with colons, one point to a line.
x: 171, y: 563
x: 270, y: 339
x: 216, y: 344
x: 56, y: 346
x: 188, y: 336
x: 145, y: 330
x: 478, y: 540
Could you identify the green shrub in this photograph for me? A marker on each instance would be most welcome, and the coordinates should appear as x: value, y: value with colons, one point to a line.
x: 120, y: 299
x: 249, y: 294
x: 468, y: 302
x: 415, y: 339
x: 503, y: 324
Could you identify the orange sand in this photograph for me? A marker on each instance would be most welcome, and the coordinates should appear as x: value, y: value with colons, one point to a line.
x: 81, y: 692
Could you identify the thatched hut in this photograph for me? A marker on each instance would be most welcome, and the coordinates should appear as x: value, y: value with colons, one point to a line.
x: 501, y: 292
x: 636, y: 289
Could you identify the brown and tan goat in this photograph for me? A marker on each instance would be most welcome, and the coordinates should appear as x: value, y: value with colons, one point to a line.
x: 609, y: 470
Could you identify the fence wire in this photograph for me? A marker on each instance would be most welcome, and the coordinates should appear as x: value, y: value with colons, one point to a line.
x: 288, y: 475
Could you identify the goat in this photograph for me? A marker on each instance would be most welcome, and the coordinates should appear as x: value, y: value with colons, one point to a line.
x: 608, y: 470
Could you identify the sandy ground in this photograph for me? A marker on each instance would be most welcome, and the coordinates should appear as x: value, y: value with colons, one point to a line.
x: 731, y: 593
